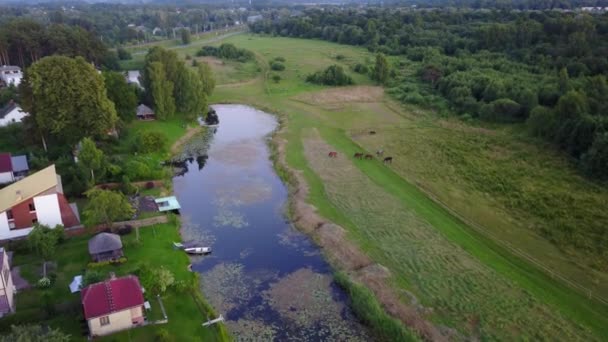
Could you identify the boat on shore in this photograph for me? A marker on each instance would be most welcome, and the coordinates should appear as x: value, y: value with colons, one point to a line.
x: 198, y: 250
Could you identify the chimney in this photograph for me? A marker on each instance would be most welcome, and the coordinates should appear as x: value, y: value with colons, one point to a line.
x: 18, y: 194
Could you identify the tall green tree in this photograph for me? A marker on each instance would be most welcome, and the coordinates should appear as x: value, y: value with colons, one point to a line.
x: 105, y: 207
x: 192, y: 99
x: 43, y: 241
x: 381, y: 69
x: 186, y: 36
x: 122, y: 94
x: 67, y: 99
x: 161, y: 90
x: 206, y: 75
x: 91, y: 157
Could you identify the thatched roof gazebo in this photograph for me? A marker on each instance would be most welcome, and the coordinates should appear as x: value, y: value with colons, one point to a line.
x: 105, y: 246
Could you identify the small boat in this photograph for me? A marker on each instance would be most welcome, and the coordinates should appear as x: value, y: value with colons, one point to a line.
x: 198, y: 250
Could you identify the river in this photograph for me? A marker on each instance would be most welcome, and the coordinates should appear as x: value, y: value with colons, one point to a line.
x: 268, y: 280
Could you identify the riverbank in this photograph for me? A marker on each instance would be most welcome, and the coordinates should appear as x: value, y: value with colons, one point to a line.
x: 391, y: 220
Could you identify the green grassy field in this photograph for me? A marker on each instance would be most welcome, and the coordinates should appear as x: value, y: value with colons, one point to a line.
x: 155, y: 248
x: 468, y: 276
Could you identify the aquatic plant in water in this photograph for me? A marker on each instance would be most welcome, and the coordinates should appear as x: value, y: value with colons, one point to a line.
x: 305, y: 298
x: 229, y: 218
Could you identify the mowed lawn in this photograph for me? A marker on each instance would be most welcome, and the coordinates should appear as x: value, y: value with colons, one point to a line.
x: 61, y: 309
x: 465, y: 276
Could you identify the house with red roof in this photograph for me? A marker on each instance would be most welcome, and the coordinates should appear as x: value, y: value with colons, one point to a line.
x: 113, y: 305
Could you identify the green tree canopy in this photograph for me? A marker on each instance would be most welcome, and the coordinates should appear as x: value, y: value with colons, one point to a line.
x: 206, y: 75
x: 43, y: 240
x: 381, y: 69
x: 186, y: 36
x: 122, y: 94
x: 67, y: 99
x: 34, y: 333
x: 105, y: 207
x: 91, y: 157
x: 161, y: 91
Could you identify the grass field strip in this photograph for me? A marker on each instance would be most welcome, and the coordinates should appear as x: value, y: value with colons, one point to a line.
x: 445, y: 276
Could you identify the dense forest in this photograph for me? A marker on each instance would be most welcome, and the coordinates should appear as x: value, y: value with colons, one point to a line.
x: 24, y: 41
x: 117, y: 24
x: 547, y: 69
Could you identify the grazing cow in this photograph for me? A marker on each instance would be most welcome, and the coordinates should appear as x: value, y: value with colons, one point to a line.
x: 368, y: 157
x: 379, y: 153
x: 372, y: 132
x: 388, y: 160
x: 358, y: 155
x: 333, y: 154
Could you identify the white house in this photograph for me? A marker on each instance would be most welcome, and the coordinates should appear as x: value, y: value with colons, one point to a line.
x: 10, y: 74
x: 133, y: 77
x: 11, y: 113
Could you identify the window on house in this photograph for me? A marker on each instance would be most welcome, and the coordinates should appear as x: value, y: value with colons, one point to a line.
x: 5, y: 273
x: 11, y: 224
x: 34, y: 221
x: 105, y: 320
x: 32, y: 207
x: 9, y: 215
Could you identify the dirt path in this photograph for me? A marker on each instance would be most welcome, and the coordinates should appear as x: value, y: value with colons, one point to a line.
x: 190, y: 132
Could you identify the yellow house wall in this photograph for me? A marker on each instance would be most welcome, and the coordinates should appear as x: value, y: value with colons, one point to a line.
x: 118, y: 321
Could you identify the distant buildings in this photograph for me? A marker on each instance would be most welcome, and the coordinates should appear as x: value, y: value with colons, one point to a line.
x: 133, y: 77
x: 113, y: 305
x: 35, y: 199
x: 11, y: 113
x: 7, y: 289
x: 253, y: 18
x: 10, y: 74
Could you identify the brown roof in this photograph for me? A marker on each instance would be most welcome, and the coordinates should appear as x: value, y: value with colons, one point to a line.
x: 28, y: 187
x: 104, y: 242
x: 142, y: 109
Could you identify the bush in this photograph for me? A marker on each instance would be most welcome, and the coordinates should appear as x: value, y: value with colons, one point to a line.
x: 280, y: 59
x: 195, y: 63
x: 43, y: 283
x: 340, y: 57
x: 148, y: 142
x: 227, y: 51
x: 162, y: 335
x: 276, y: 78
x: 92, y: 277
x: 119, y: 261
x: 277, y: 66
x: 124, y: 230
x: 126, y: 187
x: 188, y: 57
x: 369, y: 311
x: 123, y: 54
x: 361, y: 68
x: 334, y: 75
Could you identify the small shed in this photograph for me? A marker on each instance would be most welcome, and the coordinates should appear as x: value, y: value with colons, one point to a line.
x: 168, y: 204
x: 145, y: 113
x: 105, y: 246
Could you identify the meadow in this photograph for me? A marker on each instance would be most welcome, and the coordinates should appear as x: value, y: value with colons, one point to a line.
x: 455, y: 218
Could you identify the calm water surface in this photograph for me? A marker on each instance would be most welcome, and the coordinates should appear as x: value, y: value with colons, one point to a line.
x: 266, y: 278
